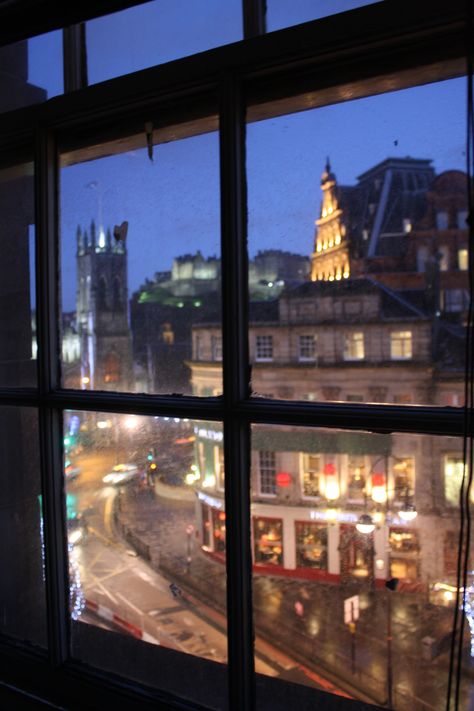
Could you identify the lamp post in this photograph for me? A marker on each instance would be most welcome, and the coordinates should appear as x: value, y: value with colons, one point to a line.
x: 391, y: 586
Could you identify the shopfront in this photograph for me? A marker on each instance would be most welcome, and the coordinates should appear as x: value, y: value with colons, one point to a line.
x: 311, y: 545
x: 268, y: 541
x: 404, y: 553
x: 356, y: 554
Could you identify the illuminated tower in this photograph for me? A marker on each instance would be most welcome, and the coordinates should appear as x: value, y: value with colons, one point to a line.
x: 102, y: 310
x: 330, y: 259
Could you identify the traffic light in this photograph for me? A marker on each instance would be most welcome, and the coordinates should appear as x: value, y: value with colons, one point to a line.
x: 150, y: 455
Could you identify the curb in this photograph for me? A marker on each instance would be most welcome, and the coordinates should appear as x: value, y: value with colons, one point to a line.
x: 110, y: 616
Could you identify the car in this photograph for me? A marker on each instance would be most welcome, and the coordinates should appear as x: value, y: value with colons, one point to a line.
x: 122, y: 474
x: 70, y: 471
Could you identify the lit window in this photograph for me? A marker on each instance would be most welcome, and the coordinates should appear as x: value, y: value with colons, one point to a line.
x: 307, y: 348
x: 354, y: 346
x: 443, y: 255
x: 401, y: 345
x: 268, y: 537
x: 463, y: 260
x: 453, y: 475
x: 311, y: 475
x: 267, y: 473
x: 407, y: 225
x: 264, y: 348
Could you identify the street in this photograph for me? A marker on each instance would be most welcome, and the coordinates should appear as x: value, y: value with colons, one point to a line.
x: 126, y: 594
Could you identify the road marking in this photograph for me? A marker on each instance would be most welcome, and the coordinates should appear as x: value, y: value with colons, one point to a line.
x: 144, y: 576
x: 106, y: 592
x: 124, y: 599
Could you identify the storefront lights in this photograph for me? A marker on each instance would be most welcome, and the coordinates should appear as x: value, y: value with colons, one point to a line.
x: 408, y: 512
x: 365, y: 524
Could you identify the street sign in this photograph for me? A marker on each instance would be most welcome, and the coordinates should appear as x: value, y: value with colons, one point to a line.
x: 351, y: 609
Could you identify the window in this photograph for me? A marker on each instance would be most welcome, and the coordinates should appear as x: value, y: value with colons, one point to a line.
x: 401, y: 345
x: 455, y: 300
x: 267, y: 473
x: 147, y: 192
x: 264, y: 348
x: 312, y: 481
x: 311, y: 545
x: 216, y: 347
x: 442, y: 220
x: 463, y: 260
x: 462, y: 219
x: 354, y: 346
x: 306, y: 348
x: 443, y: 256
x: 453, y: 470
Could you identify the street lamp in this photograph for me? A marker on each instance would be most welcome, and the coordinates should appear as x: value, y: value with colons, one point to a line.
x: 365, y: 524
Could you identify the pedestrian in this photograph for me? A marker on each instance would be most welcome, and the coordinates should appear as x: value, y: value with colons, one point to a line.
x: 175, y: 590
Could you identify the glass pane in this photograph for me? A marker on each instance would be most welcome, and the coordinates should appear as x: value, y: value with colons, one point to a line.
x: 140, y: 265
x: 335, y: 516
x: 31, y: 71
x: 17, y: 284
x: 358, y: 281
x: 145, y: 564
x: 22, y: 592
x: 167, y: 30
x: 281, y: 13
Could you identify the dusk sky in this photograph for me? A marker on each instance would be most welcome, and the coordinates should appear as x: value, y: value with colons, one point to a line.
x: 172, y: 204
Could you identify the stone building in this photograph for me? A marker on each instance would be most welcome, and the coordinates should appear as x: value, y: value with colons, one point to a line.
x: 102, y: 311
x: 375, y: 328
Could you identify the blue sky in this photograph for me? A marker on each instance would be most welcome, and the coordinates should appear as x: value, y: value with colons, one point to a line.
x: 172, y: 205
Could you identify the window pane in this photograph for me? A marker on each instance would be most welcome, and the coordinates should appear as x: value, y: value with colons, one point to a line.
x: 358, y: 288
x: 167, y: 30
x: 31, y: 71
x: 22, y: 593
x: 349, y: 511
x: 141, y: 267
x: 146, y: 529
x: 17, y: 283
x: 281, y: 13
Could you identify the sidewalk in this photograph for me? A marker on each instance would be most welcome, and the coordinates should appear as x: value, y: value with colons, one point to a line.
x: 302, y: 618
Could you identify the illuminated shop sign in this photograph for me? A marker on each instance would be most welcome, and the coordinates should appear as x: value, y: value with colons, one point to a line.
x: 212, y: 435
x: 210, y: 501
x: 332, y: 515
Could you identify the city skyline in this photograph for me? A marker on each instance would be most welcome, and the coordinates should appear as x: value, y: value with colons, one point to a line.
x: 172, y: 203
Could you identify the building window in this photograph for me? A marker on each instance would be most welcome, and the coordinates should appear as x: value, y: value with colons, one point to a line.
x: 455, y: 300
x: 198, y: 347
x: 463, y: 260
x: 443, y: 256
x: 219, y: 467
x: 268, y: 541
x: 167, y: 334
x: 401, y: 345
x: 453, y: 473
x: 356, y: 477
x: 264, y: 348
x: 311, y: 545
x: 462, y: 220
x: 354, y: 346
x: 267, y: 473
x: 442, y: 220
x: 306, y: 348
x: 216, y: 347
x: 312, y: 478
x: 404, y: 551
x: 403, y: 478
